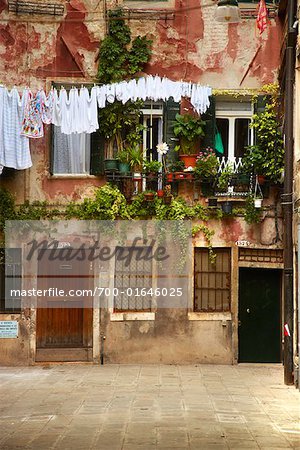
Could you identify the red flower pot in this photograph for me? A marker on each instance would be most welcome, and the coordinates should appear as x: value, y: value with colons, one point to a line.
x: 189, y: 160
x: 179, y: 175
x: 160, y: 193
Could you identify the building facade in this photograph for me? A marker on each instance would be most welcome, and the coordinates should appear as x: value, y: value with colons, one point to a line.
x: 233, y: 312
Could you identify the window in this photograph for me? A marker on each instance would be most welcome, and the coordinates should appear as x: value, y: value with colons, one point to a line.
x: 233, y: 121
x: 76, y: 154
x: 10, y: 278
x: 132, y: 273
x: 212, y: 281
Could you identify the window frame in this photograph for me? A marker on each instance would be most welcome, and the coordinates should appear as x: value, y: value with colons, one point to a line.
x: 231, y: 116
x: 96, y: 140
x: 134, y: 312
x: 217, y: 312
x: 3, y: 278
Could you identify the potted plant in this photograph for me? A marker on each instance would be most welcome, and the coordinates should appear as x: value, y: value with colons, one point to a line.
x: 136, y: 161
x: 123, y: 161
x: 168, y: 195
x: 152, y: 168
x: 177, y: 168
x: 189, y: 130
x: 149, y: 196
x: 206, y: 170
x: 225, y: 177
x: 266, y: 157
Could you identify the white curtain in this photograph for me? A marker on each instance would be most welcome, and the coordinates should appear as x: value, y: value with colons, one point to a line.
x: 71, y: 153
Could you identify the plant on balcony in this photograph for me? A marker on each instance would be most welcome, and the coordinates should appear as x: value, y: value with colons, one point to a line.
x: 189, y: 130
x: 251, y: 214
x: 207, y: 164
x: 135, y: 158
x: 225, y: 177
x: 266, y: 157
x: 152, y: 167
x: 175, y: 170
x: 123, y: 157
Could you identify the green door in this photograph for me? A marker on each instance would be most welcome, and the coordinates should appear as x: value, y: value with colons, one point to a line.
x: 259, y: 315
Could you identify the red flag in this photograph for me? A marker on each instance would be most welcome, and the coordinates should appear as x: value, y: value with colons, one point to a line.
x: 262, y: 16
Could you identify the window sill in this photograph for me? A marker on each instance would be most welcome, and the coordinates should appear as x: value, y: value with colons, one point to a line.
x: 120, y: 317
x: 210, y: 316
x: 72, y: 176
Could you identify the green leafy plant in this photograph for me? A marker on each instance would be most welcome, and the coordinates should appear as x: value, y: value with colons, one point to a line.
x: 135, y: 158
x: 207, y: 164
x: 225, y: 177
x: 108, y: 204
x: 189, y: 129
x: 266, y: 157
x: 7, y: 207
x: 123, y: 156
x: 152, y: 166
x: 251, y: 214
x: 176, y: 166
x: 118, y: 56
x: 121, y: 127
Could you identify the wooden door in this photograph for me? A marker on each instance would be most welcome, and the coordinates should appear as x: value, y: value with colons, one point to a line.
x: 64, y: 322
x: 259, y: 315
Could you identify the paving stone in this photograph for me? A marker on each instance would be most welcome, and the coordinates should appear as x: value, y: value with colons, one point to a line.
x: 61, y: 407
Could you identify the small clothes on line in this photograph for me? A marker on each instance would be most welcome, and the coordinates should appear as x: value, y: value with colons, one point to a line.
x: 14, y: 147
x: 38, y: 110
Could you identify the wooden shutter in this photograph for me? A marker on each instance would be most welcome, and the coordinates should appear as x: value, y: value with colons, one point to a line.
x: 97, y: 154
x: 171, y: 109
x: 210, y: 127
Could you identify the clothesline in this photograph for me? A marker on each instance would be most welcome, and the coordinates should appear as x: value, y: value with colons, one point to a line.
x: 76, y: 111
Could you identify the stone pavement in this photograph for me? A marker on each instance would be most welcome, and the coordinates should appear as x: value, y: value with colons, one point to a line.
x: 76, y: 406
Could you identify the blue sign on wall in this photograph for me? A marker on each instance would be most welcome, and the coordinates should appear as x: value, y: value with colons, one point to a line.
x: 8, y: 329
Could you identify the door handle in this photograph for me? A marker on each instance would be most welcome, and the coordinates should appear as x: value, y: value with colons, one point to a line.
x: 239, y: 323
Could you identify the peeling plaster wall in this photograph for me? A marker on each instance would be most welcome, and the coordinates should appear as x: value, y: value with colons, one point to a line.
x: 35, y: 50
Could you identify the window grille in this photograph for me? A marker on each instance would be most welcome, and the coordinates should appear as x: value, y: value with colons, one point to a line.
x: 261, y: 255
x: 212, y: 281
x: 131, y: 276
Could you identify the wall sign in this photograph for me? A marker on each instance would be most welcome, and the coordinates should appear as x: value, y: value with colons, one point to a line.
x: 8, y: 329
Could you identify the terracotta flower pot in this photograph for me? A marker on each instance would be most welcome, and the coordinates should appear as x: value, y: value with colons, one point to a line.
x: 149, y: 196
x: 179, y: 175
x: 167, y: 199
x: 189, y: 160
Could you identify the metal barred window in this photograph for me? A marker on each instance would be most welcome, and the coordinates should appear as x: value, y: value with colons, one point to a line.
x: 10, y: 279
x: 212, y: 281
x: 132, y: 273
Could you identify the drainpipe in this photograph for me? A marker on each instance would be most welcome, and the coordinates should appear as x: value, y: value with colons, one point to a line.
x: 288, y: 196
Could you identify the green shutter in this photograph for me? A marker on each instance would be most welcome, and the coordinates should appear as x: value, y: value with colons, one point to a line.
x: 51, y: 153
x: 97, y: 154
x: 171, y: 108
x: 210, y: 128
